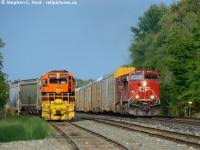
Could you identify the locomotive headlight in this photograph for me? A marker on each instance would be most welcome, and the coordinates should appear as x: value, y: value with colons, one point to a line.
x: 152, y: 96
x: 58, y: 76
x: 144, y: 83
x: 132, y: 91
x: 137, y: 96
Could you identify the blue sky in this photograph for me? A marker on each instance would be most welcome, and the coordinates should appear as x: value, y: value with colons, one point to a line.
x: 89, y: 39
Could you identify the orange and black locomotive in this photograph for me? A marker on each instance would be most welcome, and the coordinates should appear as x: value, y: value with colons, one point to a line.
x: 52, y: 96
x: 57, y: 95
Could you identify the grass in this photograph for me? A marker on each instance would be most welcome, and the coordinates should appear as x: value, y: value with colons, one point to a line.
x: 9, y: 111
x: 22, y: 128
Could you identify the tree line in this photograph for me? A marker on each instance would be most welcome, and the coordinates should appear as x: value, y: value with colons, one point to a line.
x: 167, y: 39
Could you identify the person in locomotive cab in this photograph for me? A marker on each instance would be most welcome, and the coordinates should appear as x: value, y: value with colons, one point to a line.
x: 44, y: 83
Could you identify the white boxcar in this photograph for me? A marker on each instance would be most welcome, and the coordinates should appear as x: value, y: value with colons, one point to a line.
x: 97, y: 96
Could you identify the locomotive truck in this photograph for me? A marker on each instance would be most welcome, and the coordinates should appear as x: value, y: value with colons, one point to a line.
x: 52, y: 95
x: 126, y: 91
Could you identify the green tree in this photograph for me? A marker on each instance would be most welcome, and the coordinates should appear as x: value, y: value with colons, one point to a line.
x: 3, y: 84
x: 81, y: 82
x: 1, y: 56
x: 149, y: 21
x: 180, y: 24
x: 146, y: 40
x: 193, y: 91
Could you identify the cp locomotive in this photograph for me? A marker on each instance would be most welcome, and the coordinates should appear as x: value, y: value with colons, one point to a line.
x: 127, y: 91
x: 52, y: 95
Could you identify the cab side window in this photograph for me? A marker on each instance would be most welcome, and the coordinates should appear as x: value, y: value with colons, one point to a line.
x: 44, y: 82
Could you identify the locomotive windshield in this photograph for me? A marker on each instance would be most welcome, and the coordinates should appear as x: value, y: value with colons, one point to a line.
x: 57, y: 81
x: 142, y: 77
x: 151, y: 76
x: 137, y: 77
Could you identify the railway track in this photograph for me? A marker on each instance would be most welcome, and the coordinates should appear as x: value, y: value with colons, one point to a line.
x: 83, y: 139
x: 190, y: 140
x: 187, y: 121
x: 193, y: 122
x: 66, y: 136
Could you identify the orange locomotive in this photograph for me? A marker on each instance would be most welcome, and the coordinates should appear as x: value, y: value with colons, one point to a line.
x: 52, y: 96
x: 57, y: 95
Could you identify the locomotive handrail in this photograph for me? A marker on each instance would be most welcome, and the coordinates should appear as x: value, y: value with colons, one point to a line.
x: 62, y: 96
x: 156, y: 96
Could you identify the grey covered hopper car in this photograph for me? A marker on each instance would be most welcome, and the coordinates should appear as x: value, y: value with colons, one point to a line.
x: 25, y: 95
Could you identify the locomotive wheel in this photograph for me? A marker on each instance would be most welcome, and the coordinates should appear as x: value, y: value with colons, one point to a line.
x: 126, y: 108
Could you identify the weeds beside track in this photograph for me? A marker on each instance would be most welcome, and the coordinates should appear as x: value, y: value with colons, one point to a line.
x: 23, y: 128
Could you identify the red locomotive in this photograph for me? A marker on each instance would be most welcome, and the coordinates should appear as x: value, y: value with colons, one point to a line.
x: 127, y: 91
x: 138, y: 93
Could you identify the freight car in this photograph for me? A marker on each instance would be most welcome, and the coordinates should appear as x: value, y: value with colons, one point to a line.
x: 127, y: 91
x: 52, y: 96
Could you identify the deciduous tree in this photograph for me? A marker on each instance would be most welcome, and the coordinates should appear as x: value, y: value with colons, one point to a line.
x: 3, y: 84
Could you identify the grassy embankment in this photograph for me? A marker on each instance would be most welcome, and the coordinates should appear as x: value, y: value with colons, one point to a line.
x: 22, y: 128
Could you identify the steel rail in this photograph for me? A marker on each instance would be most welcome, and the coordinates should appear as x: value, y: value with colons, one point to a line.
x: 120, y: 145
x: 190, y: 140
x: 174, y: 120
x: 67, y: 137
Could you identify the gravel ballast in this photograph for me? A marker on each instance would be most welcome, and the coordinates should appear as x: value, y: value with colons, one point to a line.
x: 46, y: 144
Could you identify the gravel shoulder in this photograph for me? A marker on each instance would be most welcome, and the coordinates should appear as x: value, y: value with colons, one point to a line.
x: 46, y: 144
